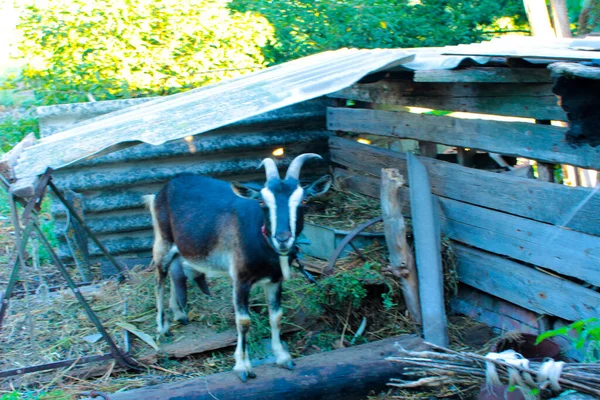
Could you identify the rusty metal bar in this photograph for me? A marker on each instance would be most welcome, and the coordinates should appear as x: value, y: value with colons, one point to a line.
x: 54, y: 365
x: 75, y: 215
x: 346, y: 240
x: 121, y: 358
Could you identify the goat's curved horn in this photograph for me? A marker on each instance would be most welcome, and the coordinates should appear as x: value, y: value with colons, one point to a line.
x: 270, y: 168
x: 296, y: 165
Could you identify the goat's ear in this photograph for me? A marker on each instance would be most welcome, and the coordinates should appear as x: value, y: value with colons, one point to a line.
x: 318, y: 187
x: 245, y: 191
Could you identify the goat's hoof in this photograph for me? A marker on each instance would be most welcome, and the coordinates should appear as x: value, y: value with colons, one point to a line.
x: 251, y: 375
x: 184, y: 320
x: 289, y: 365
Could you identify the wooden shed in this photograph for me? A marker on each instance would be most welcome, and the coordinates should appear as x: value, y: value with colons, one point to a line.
x: 483, y: 118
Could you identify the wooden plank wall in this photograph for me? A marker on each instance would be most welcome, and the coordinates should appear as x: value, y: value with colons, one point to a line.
x: 113, y: 184
x: 525, y: 248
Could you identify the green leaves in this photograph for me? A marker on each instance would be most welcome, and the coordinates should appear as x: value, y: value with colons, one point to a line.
x: 584, y: 334
x: 121, y: 49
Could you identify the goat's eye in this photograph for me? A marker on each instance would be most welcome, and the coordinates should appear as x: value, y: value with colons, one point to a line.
x: 304, y: 201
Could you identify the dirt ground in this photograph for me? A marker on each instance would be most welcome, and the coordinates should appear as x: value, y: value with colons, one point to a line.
x: 46, y: 326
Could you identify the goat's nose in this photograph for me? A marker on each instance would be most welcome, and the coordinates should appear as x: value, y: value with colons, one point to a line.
x: 283, y: 237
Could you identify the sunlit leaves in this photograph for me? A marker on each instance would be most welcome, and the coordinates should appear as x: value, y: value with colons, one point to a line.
x: 115, y: 49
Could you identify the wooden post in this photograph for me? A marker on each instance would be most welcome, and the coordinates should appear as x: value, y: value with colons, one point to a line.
x: 428, y: 251
x: 402, y: 261
x: 560, y: 17
x: 465, y: 157
x: 427, y: 149
x: 545, y: 170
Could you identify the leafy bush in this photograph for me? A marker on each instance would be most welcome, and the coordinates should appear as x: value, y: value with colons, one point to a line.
x: 129, y: 48
x: 304, y: 27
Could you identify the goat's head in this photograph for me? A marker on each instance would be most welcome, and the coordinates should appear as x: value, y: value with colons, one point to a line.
x: 282, y: 200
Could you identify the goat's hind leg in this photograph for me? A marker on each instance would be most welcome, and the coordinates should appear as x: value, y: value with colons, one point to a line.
x: 161, y: 257
x: 273, y: 294
x: 162, y: 324
x: 241, y: 299
x: 178, y: 298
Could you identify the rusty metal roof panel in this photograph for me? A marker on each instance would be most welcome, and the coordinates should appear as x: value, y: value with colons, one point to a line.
x: 210, y: 107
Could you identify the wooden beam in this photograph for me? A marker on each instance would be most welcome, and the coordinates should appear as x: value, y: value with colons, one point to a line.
x: 350, y: 373
x: 538, y: 142
x: 402, y: 260
x: 485, y: 75
x: 525, y: 286
x: 428, y: 254
x: 573, y: 207
x: 529, y: 100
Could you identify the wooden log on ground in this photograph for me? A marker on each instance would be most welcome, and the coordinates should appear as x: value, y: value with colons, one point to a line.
x: 349, y: 373
x: 402, y: 261
x: 428, y: 251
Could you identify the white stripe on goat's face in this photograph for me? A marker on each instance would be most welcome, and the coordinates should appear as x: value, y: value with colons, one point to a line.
x: 282, y: 198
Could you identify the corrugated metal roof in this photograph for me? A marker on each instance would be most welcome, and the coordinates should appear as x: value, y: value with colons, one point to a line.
x: 217, y: 105
x: 210, y: 107
x: 531, y: 47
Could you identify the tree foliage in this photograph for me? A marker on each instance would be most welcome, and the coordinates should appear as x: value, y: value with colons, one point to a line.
x: 304, y: 27
x: 128, y: 48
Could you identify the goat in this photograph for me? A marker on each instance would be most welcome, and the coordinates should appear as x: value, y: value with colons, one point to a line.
x: 203, y: 226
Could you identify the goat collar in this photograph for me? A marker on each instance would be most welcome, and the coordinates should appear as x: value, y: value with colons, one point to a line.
x: 263, y: 229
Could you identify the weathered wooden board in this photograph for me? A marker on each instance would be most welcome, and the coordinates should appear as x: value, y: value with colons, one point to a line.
x: 567, y: 252
x: 488, y: 75
x: 525, y: 286
x: 494, y: 312
x: 349, y: 373
x: 564, y: 251
x: 515, y: 100
x: 573, y: 207
x: 534, y: 141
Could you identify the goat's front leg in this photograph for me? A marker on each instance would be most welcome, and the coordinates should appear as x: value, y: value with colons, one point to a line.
x: 241, y: 298
x: 273, y: 294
